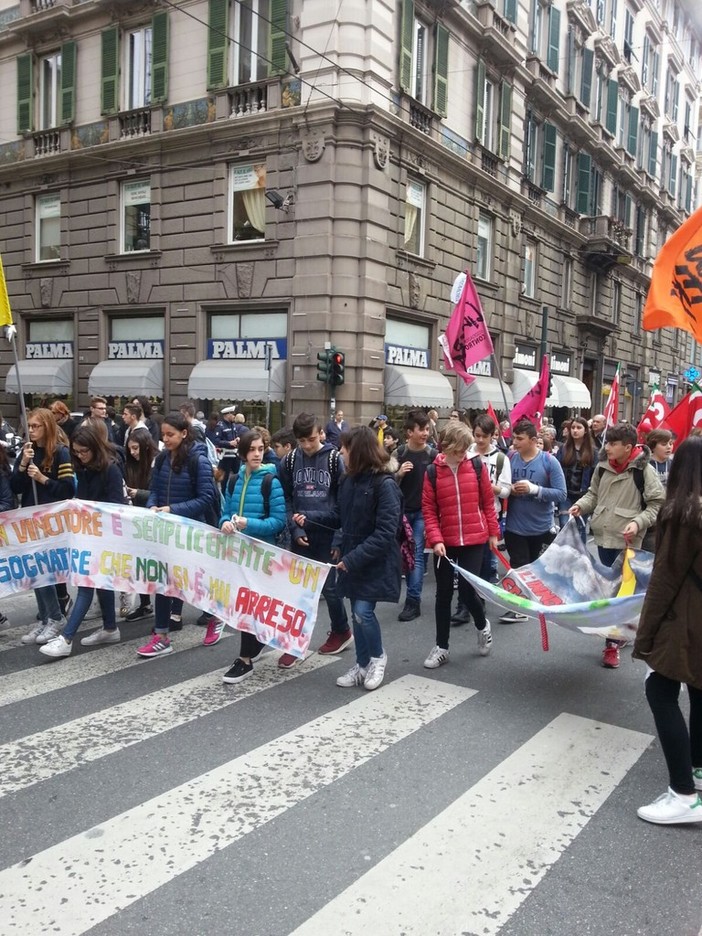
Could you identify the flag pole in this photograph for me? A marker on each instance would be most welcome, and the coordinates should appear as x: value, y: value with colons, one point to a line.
x: 502, y: 386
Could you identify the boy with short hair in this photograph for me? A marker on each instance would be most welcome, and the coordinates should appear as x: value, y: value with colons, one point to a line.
x: 283, y: 441
x: 310, y: 476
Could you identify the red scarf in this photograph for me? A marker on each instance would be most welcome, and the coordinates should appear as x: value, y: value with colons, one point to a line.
x: 635, y: 452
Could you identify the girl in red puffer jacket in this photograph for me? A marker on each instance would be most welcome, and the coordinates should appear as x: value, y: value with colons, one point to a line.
x: 459, y: 516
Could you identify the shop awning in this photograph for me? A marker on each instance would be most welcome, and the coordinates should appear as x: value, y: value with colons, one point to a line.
x: 570, y: 392
x: 127, y: 378
x: 238, y: 380
x: 522, y: 383
x: 45, y: 375
x: 416, y: 386
x: 482, y: 391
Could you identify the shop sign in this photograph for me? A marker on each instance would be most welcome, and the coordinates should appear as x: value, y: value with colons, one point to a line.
x: 412, y: 357
x: 560, y: 363
x: 246, y: 349
x: 524, y: 356
x: 135, y: 350
x: 654, y: 377
x: 36, y: 350
x: 481, y: 368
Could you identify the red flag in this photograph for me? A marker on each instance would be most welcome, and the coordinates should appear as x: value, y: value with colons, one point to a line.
x: 685, y: 416
x: 492, y: 414
x: 656, y: 412
x: 533, y: 403
x: 611, y: 412
x: 675, y: 295
x: 467, y: 339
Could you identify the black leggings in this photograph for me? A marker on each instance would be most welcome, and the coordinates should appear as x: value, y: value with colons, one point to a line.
x: 250, y: 646
x: 682, y: 749
x: 471, y: 559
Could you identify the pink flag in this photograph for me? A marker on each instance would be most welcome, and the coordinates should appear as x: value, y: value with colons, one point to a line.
x: 611, y: 413
x: 655, y: 414
x: 467, y: 339
x: 532, y: 404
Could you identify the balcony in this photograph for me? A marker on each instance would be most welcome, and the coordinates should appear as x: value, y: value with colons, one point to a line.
x: 246, y: 100
x: 47, y: 142
x: 543, y: 90
x: 135, y: 123
x: 488, y: 161
x: 607, y: 243
x: 499, y: 36
x: 533, y: 192
x: 420, y: 117
x: 38, y: 15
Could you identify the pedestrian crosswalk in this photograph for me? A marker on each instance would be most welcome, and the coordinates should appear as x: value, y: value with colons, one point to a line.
x: 468, y: 869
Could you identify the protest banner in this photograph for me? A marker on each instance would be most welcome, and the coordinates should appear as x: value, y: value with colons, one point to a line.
x: 249, y: 584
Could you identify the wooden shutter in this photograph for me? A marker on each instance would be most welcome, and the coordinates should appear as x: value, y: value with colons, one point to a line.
x: 612, y: 104
x: 633, y: 130
x: 159, y: 57
x: 110, y: 71
x: 480, y: 100
x: 505, y: 139
x: 25, y: 93
x: 672, y: 186
x: 586, y: 81
x: 653, y: 155
x: 441, y: 50
x: 548, y: 171
x: 217, y: 44
x: 68, y: 82
x: 406, y: 37
x: 277, y: 54
x: 554, y: 38
x: 584, y: 173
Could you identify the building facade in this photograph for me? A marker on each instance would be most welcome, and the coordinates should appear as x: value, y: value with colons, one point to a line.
x: 197, y: 198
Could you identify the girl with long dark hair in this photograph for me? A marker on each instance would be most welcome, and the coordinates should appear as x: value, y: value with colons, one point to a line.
x: 141, y: 450
x: 578, y: 458
x: 669, y: 638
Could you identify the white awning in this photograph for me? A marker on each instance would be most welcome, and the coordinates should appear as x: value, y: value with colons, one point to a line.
x: 44, y: 375
x: 127, y: 378
x: 571, y: 392
x: 482, y: 391
x: 235, y: 380
x: 416, y: 386
x: 522, y: 383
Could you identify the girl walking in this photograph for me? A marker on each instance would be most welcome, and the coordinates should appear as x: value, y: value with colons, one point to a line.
x: 578, y: 457
x: 138, y: 466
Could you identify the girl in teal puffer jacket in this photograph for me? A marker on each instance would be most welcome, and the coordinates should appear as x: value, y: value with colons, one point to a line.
x: 246, y: 509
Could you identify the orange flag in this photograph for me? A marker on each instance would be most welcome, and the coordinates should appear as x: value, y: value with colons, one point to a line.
x: 675, y: 295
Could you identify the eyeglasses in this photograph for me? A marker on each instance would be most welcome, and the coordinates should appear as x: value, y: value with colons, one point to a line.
x: 81, y: 451
x: 35, y: 426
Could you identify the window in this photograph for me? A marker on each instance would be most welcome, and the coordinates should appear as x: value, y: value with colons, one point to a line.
x: 48, y: 227
x: 415, y: 198
x: 628, y: 36
x: 139, y: 64
x: 247, y: 199
x: 672, y: 95
x: 258, y: 49
x: 49, y: 91
x: 638, y: 314
x: 529, y: 273
x: 640, y: 232
x: 424, y: 70
x: 616, y: 301
x: 566, y: 282
x: 493, y: 112
x: 251, y: 27
x: 540, y: 153
x: 55, y: 75
x: 142, y: 63
x: 136, y: 216
x: 483, y: 257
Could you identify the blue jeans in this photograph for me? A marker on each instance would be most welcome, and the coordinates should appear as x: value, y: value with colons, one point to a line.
x: 415, y: 578
x: 81, y: 606
x: 488, y: 569
x: 607, y: 556
x: 163, y: 608
x: 48, y: 603
x: 366, y: 632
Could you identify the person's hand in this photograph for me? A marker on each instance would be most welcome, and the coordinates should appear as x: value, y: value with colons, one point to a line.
x: 630, y: 530
x: 165, y: 509
x: 228, y: 527
x: 341, y: 567
x: 525, y: 487
x: 36, y: 474
x: 302, y: 541
x: 439, y: 550
x: 405, y: 468
x: 300, y: 519
x: 575, y: 511
x: 335, y: 554
x: 492, y: 542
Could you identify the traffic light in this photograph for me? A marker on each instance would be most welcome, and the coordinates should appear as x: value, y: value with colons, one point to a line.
x: 337, y: 368
x: 324, y: 366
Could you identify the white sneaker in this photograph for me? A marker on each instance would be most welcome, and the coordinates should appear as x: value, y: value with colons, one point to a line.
x: 485, y: 640
x: 355, y: 677
x: 94, y: 611
x: 58, y: 647
x: 50, y: 630
x: 375, y: 672
x: 436, y: 658
x: 31, y: 636
x: 671, y: 809
x: 101, y: 636
x: 697, y: 777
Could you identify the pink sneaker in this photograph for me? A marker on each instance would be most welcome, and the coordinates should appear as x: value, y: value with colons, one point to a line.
x: 158, y: 645
x: 213, y: 633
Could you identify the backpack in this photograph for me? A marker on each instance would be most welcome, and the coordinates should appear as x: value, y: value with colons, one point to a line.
x: 477, y: 465
x: 288, y: 462
x: 213, y: 506
x: 282, y: 539
x: 639, y: 481
x: 405, y: 536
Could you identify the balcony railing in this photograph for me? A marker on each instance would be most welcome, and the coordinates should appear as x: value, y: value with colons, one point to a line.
x: 488, y: 162
x: 47, y: 142
x: 420, y: 117
x: 249, y: 99
x: 135, y: 123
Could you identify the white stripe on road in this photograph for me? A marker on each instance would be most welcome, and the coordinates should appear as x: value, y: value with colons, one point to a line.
x: 76, y: 884
x: 470, y: 868
x: 60, y: 749
x: 101, y: 661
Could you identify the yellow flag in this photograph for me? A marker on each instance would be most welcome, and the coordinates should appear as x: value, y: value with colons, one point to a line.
x: 5, y: 311
x: 628, y: 578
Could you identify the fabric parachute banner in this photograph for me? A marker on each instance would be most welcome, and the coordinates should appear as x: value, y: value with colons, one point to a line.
x: 251, y: 585
x: 656, y: 412
x: 611, y: 413
x: 675, y: 295
x: 467, y: 339
x: 533, y: 403
x: 570, y: 588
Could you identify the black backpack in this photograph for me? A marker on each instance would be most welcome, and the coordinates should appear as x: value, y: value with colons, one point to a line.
x: 477, y: 465
x: 639, y: 481
x: 213, y: 506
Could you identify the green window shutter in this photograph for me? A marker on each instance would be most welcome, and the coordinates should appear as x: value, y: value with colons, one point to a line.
x: 277, y: 54
x: 612, y: 104
x: 633, y: 130
x: 653, y: 155
x: 159, y: 57
x: 406, y: 35
x: 554, y: 38
x: 548, y: 172
x: 584, y: 174
x: 25, y: 93
x: 586, y: 82
x: 217, y: 44
x: 441, y: 51
x: 479, y: 99
x: 68, y: 82
x: 110, y: 71
x: 511, y: 10
x: 505, y: 120
x: 673, y: 175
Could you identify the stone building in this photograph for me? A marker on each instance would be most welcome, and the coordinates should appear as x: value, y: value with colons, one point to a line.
x: 197, y: 198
